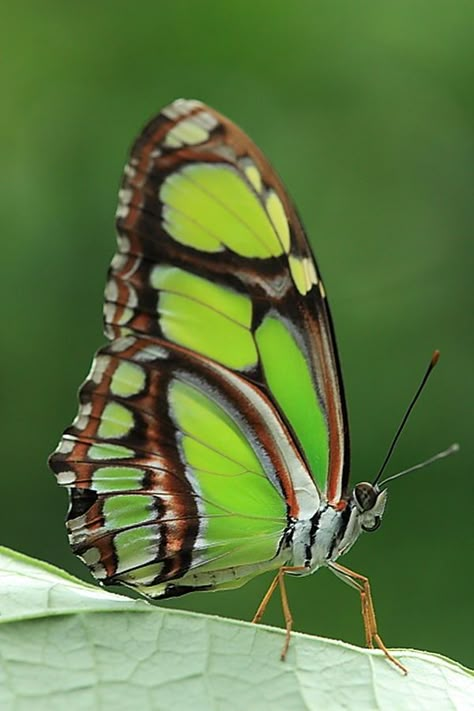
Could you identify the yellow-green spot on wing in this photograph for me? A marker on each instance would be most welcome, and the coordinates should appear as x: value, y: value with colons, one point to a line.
x: 198, y: 453
x: 127, y: 380
x: 219, y: 203
x: 294, y: 391
x: 246, y: 513
x: 231, y: 304
x: 136, y: 547
x: 218, y: 470
x: 185, y: 230
x: 205, y: 317
x: 303, y: 273
x: 278, y: 217
x: 186, y: 133
x: 128, y: 510
x: 116, y: 421
x: 199, y: 417
x: 108, y: 479
x: 253, y: 175
x: 110, y: 451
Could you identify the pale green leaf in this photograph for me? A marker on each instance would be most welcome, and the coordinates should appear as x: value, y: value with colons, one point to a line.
x: 68, y: 645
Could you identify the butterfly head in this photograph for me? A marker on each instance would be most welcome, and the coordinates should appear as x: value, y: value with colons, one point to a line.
x: 368, y: 504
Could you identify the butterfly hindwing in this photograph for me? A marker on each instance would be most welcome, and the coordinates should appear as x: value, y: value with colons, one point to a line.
x: 212, y: 257
x: 169, y: 482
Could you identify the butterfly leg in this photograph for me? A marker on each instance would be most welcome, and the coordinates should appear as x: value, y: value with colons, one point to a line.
x: 266, y: 599
x: 361, y: 583
x: 279, y: 579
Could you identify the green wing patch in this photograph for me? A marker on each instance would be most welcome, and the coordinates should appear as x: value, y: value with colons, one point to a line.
x: 188, y: 462
x: 205, y: 317
x: 210, y: 207
x: 199, y: 502
x: 211, y: 249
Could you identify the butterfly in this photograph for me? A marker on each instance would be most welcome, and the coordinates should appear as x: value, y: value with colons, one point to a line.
x: 211, y: 442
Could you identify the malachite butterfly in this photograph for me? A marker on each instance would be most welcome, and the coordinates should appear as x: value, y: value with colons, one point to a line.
x: 211, y: 442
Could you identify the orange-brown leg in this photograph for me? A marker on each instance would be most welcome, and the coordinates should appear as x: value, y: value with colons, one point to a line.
x: 266, y: 599
x: 361, y: 583
x: 279, y: 579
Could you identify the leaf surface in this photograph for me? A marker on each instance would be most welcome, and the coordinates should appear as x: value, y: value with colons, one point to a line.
x: 68, y: 645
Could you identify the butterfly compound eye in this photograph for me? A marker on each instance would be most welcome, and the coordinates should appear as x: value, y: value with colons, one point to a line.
x: 365, y: 496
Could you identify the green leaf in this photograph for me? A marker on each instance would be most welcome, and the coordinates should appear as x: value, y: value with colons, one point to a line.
x: 68, y: 645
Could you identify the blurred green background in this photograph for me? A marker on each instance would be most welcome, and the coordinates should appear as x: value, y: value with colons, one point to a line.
x: 366, y: 110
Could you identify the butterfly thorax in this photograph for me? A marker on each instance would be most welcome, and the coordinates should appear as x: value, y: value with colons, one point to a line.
x: 333, y: 530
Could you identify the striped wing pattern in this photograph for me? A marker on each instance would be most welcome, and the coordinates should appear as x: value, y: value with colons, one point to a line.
x: 167, y: 478
x: 220, y: 391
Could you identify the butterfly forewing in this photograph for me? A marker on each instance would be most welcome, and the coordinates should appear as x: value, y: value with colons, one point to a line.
x: 213, y: 257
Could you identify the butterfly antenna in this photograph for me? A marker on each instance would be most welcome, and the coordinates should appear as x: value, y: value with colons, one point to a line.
x: 433, y: 361
x: 441, y: 455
